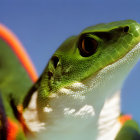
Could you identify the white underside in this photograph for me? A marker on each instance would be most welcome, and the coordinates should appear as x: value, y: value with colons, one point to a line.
x: 87, y: 110
x: 108, y: 123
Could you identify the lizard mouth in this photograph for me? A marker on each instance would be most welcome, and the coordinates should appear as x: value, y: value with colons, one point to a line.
x: 130, y: 57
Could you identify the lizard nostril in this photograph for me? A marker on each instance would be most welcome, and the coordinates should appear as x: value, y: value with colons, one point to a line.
x: 126, y: 29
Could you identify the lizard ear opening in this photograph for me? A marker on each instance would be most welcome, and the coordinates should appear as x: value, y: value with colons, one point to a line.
x: 87, y: 46
x: 55, y: 61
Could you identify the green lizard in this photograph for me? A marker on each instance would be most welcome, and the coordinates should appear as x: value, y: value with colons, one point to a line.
x: 78, y: 95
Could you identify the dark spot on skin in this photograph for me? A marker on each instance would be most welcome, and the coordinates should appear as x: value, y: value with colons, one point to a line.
x: 105, y: 35
x: 50, y: 74
x: 55, y: 61
x: 126, y: 29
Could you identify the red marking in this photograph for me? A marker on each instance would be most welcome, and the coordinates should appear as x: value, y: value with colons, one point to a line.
x: 124, y: 118
x: 18, y: 49
x: 13, y: 129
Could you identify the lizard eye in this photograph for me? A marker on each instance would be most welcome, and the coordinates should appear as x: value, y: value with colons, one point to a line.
x: 87, y: 46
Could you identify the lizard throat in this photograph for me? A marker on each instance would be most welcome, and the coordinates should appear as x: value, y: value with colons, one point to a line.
x: 70, y: 121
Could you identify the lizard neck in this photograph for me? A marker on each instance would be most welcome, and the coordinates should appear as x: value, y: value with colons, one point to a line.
x: 71, y: 118
x: 108, y: 124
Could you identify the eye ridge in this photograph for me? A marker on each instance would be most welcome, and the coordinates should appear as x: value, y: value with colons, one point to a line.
x: 87, y: 46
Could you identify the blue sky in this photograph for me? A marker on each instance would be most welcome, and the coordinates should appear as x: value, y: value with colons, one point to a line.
x: 42, y: 25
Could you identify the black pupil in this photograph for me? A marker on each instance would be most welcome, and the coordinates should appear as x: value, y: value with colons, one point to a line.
x: 87, y: 46
x: 90, y: 45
